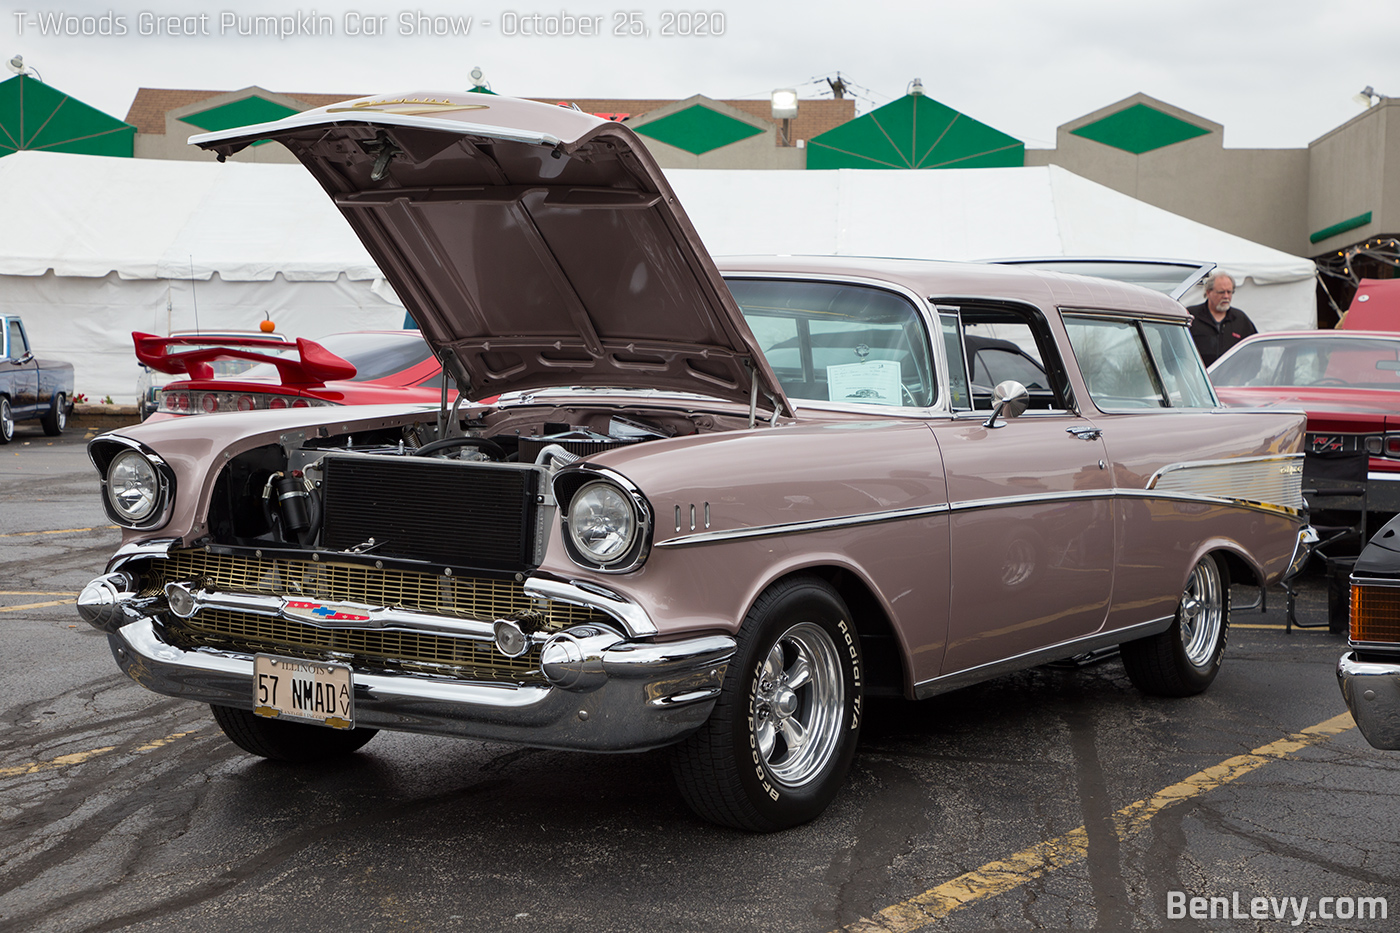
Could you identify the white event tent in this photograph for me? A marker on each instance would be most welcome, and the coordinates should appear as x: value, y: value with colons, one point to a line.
x: 978, y: 214
x: 93, y: 248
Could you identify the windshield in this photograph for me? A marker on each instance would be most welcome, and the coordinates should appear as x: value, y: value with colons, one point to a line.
x: 840, y: 343
x: 1365, y: 363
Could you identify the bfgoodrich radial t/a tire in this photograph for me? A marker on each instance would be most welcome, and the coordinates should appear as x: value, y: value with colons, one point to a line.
x: 287, y: 741
x: 1183, y: 660
x: 778, y: 745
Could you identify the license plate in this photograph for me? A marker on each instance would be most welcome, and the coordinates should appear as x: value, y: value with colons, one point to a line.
x: 308, y: 691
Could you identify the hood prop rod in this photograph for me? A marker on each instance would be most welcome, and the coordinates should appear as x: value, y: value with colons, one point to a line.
x: 753, y: 392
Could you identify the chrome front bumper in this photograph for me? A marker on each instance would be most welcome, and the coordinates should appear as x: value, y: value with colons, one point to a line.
x: 605, y: 691
x: 1372, y: 692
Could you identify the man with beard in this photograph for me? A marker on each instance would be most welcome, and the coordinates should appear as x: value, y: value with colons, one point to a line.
x: 1216, y: 326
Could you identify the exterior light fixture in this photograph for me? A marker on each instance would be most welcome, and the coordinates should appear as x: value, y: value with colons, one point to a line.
x: 784, y: 109
x: 916, y: 88
x: 784, y: 103
x: 18, y: 66
x: 1367, y: 97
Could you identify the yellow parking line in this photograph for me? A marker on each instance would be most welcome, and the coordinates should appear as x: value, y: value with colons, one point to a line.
x: 1007, y: 874
x: 34, y: 593
x: 1296, y: 628
x: 59, y: 531
x: 77, y: 758
x: 55, y: 602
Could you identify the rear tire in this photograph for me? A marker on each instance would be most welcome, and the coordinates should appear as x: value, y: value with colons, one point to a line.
x: 780, y: 740
x: 1183, y: 660
x: 56, y: 419
x: 278, y: 740
x: 7, y: 420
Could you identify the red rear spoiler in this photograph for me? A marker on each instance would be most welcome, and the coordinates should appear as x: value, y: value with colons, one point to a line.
x: 314, y: 365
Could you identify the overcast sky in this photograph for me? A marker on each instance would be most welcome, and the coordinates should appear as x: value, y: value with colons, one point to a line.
x: 1275, y: 74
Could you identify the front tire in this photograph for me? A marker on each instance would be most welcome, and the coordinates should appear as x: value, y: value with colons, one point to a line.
x: 295, y: 742
x: 1183, y: 660
x: 783, y: 732
x: 7, y: 420
x: 56, y: 419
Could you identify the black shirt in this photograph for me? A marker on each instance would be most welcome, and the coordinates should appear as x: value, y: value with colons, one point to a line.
x: 1212, y: 339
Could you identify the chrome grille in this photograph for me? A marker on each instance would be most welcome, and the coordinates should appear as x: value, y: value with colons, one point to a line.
x: 461, y: 597
x: 410, y: 651
x: 480, y: 598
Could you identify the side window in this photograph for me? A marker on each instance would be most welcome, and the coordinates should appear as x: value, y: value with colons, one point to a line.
x: 835, y: 342
x: 17, y: 346
x: 1010, y: 343
x: 957, y: 362
x: 1131, y: 365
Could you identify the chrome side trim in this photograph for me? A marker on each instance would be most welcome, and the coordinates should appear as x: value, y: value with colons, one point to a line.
x: 1276, y: 480
x: 967, y: 505
x: 1065, y: 649
x: 633, y: 618
x: 788, y: 528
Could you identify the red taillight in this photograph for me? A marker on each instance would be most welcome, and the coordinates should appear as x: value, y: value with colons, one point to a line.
x: 245, y: 403
x: 301, y: 403
x: 277, y: 402
x: 210, y: 402
x: 1392, y: 445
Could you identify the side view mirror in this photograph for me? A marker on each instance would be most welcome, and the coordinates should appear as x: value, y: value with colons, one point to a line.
x: 1009, y: 399
x: 27, y: 357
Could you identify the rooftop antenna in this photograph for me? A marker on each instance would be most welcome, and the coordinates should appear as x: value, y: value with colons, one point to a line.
x: 193, y: 298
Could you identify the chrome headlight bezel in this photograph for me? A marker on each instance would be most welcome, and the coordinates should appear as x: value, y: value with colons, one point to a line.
x: 107, y: 452
x: 571, y: 485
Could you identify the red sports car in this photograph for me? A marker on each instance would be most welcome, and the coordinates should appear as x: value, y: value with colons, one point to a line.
x: 363, y: 368
x: 1349, y: 384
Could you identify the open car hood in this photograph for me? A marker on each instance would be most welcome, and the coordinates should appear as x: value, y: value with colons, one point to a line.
x: 535, y: 246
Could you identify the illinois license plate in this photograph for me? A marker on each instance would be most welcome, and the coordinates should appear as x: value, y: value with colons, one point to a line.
x: 308, y: 691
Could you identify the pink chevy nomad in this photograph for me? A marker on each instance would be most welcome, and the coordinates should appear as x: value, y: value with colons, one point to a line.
x: 716, y: 504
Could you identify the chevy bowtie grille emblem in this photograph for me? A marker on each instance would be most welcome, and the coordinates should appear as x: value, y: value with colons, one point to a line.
x: 318, y: 612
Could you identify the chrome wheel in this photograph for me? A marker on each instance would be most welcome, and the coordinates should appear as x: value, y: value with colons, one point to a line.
x: 797, y: 712
x: 7, y: 421
x: 1202, y: 613
x: 780, y: 739
x: 1183, y: 660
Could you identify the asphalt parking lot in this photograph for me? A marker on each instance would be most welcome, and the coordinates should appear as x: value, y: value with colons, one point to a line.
x: 1050, y: 799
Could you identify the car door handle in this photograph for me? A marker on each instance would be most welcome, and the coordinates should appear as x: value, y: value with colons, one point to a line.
x: 1085, y: 433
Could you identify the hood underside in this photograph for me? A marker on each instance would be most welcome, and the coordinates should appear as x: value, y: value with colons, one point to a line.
x: 535, y: 246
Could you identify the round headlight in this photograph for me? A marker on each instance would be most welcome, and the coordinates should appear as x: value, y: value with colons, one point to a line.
x: 602, y: 522
x: 133, y: 486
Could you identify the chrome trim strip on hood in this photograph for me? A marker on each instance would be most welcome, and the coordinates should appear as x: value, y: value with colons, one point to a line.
x: 319, y: 117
